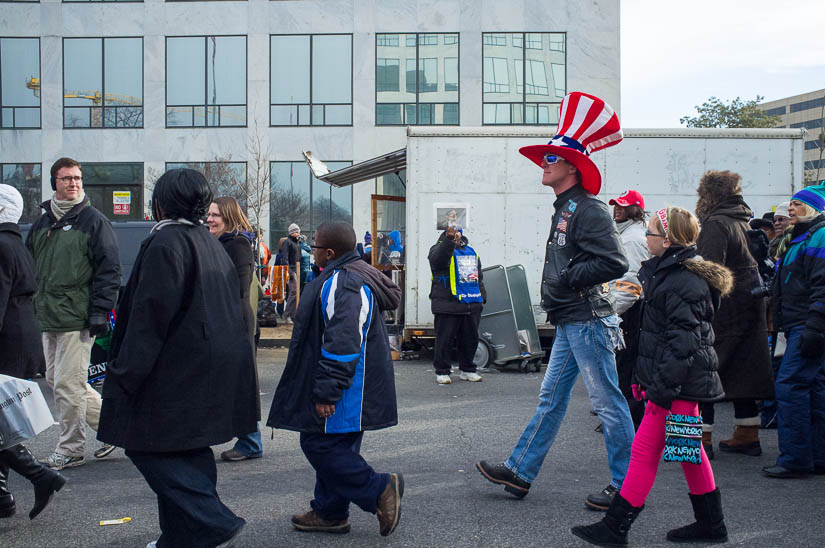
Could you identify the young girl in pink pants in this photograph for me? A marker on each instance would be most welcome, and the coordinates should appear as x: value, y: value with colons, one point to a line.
x: 675, y: 370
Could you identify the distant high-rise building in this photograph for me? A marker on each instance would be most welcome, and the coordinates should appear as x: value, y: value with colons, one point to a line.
x: 804, y: 111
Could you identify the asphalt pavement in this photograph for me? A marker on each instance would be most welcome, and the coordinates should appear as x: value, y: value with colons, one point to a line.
x: 442, y: 432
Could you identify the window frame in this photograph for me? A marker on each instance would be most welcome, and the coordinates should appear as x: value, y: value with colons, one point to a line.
x: 311, y: 198
x: 39, y: 75
x: 206, y: 105
x: 102, y: 81
x: 311, y: 104
x: 524, y: 103
x: 37, y: 205
x: 403, y: 106
x: 139, y: 184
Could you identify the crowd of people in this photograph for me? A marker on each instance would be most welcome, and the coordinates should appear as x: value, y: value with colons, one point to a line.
x: 664, y: 314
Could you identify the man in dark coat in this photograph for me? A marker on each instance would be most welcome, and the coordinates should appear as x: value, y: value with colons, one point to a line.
x: 456, y: 297
x: 21, y: 350
x: 181, y: 367
x: 740, y: 325
x: 339, y: 382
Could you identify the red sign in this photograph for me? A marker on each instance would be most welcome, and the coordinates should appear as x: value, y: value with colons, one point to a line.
x: 121, y: 209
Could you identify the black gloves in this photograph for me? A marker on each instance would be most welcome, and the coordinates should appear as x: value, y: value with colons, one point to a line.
x: 812, y: 343
x: 98, y: 325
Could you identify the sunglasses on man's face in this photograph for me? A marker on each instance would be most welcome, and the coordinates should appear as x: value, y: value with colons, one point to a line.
x: 551, y: 159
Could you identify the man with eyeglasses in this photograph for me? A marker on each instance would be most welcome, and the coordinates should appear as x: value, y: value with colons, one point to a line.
x: 583, y: 254
x: 78, y: 276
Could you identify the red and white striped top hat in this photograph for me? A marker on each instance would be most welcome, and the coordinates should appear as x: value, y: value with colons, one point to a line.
x: 586, y: 124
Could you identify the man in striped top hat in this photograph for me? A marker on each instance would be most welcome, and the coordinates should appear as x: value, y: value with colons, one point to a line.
x: 583, y: 254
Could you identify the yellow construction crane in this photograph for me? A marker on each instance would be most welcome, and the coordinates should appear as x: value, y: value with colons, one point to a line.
x: 97, y: 99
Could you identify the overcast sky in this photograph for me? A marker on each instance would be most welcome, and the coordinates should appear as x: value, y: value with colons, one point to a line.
x: 677, y: 53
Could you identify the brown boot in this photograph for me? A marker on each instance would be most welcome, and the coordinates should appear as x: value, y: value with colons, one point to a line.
x: 707, y: 443
x: 313, y: 523
x: 389, y: 504
x: 745, y: 440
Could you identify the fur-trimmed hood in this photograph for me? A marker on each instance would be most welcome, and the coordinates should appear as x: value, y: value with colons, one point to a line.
x: 716, y: 275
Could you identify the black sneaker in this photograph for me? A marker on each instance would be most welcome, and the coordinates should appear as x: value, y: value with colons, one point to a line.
x: 501, y: 475
x: 601, y: 500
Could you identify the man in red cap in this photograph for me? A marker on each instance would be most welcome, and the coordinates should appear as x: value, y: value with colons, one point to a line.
x: 583, y: 254
x: 629, y: 216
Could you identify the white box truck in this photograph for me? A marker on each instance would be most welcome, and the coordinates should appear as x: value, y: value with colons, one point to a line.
x: 507, y: 211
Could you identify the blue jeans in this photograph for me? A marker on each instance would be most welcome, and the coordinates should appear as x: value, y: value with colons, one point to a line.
x: 587, y: 347
x: 250, y: 445
x: 800, y: 399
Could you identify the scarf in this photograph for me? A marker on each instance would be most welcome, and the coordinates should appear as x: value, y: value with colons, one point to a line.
x: 61, y: 207
x: 167, y: 222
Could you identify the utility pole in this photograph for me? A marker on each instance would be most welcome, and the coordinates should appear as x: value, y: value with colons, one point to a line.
x: 821, y: 140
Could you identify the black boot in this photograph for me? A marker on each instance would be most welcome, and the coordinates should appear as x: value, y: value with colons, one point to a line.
x: 46, y: 481
x: 7, y: 506
x: 612, y: 529
x: 710, y: 523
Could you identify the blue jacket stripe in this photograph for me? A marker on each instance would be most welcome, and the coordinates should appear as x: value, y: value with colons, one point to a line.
x: 818, y: 252
x: 338, y: 357
x: 347, y: 417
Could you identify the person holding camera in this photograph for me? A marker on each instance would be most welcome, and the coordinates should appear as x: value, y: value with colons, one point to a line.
x: 457, y: 296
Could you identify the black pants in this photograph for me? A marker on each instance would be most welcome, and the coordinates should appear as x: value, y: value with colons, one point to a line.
x: 341, y: 474
x: 460, y: 330
x: 742, y: 409
x: 626, y: 361
x: 189, y: 510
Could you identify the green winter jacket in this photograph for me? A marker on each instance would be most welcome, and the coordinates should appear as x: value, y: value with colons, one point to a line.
x: 77, y: 267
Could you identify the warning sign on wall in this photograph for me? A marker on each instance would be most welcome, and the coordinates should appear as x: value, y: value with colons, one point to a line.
x: 121, y: 200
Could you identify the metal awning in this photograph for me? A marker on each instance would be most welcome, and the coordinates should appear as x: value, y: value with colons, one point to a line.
x: 392, y: 162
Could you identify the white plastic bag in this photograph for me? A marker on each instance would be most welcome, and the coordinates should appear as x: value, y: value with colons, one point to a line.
x: 23, y: 411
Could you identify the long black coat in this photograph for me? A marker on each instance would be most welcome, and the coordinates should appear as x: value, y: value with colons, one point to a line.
x: 675, y: 357
x: 181, y: 368
x: 239, y: 249
x: 442, y: 299
x: 741, y: 322
x: 21, y: 348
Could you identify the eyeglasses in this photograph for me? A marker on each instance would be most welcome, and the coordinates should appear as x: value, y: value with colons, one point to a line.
x: 71, y: 178
x: 319, y: 247
x: 649, y: 233
x: 551, y: 159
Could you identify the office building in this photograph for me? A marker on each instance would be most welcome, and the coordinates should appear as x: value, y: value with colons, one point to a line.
x: 804, y: 111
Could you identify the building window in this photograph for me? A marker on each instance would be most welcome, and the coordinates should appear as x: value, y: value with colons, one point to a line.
x: 205, y: 81
x: 311, y: 80
x: 81, y: 1
x: 778, y: 111
x: 115, y: 189
x: 20, y: 83
x: 26, y: 179
x: 298, y: 197
x: 805, y: 105
x: 224, y: 178
x: 430, y: 83
x: 387, y: 75
x: 532, y: 92
x: 810, y: 124
x: 102, y: 82
x: 811, y: 145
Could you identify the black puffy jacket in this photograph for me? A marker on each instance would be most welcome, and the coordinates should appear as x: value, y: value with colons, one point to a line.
x: 584, y: 252
x: 442, y: 300
x: 676, y: 359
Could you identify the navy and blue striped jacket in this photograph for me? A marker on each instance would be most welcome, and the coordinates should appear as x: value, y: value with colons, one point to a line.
x: 339, y: 354
x: 799, y: 284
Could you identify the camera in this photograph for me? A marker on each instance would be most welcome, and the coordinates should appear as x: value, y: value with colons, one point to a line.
x: 761, y: 291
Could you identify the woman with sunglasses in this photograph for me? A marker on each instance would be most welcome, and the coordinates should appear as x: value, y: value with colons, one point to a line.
x: 675, y: 370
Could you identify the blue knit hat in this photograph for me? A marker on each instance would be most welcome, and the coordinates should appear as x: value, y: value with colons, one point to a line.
x: 814, y: 196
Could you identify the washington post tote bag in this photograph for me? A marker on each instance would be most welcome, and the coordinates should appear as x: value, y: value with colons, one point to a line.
x: 23, y: 411
x: 683, y: 438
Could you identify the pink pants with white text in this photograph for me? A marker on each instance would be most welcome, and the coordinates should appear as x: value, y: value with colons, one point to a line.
x: 647, y: 450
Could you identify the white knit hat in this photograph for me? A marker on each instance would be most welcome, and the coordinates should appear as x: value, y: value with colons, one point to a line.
x: 11, y: 204
x: 782, y: 209
x: 293, y: 229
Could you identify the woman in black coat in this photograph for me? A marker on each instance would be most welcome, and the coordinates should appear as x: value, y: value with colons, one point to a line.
x: 741, y: 324
x: 675, y: 370
x: 180, y: 368
x: 227, y: 222
x: 22, y: 349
